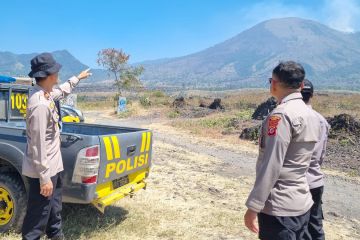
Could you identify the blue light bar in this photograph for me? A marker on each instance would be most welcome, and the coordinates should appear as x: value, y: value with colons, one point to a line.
x: 5, y: 79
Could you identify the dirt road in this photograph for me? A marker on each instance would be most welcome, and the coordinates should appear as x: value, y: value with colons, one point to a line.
x: 233, y: 164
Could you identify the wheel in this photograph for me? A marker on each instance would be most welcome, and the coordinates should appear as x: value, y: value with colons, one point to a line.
x: 12, y: 202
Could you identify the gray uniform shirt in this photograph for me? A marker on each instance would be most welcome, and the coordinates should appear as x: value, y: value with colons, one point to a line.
x: 288, y: 138
x: 314, y: 175
x: 42, y: 157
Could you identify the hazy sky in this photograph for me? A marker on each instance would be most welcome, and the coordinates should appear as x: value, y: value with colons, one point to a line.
x: 151, y: 29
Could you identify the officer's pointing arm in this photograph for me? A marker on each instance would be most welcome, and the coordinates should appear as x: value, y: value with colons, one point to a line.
x: 65, y: 89
x: 38, y: 124
x: 61, y: 91
x: 277, y: 136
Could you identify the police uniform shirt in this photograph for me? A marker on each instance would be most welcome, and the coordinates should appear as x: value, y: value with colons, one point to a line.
x: 42, y: 156
x: 287, y: 141
x: 314, y: 175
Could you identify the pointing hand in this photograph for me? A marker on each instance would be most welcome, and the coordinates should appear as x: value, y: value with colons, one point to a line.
x: 84, y: 74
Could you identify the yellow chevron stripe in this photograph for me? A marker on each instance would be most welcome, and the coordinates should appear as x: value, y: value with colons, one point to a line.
x: 108, y: 148
x: 148, y: 141
x: 116, y: 146
x: 143, y: 143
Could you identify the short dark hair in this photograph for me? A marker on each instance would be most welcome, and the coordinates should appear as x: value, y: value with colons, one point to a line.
x: 39, y: 79
x: 290, y: 73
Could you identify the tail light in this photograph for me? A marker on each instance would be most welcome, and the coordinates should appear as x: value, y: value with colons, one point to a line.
x: 87, y: 165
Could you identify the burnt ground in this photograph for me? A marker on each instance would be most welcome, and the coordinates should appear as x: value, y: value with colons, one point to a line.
x: 343, y: 148
x: 343, y: 156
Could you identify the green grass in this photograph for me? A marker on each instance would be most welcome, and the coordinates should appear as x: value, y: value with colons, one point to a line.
x: 220, y: 122
x: 245, y: 114
x: 126, y: 114
x: 145, y: 101
x: 173, y: 114
x: 159, y: 94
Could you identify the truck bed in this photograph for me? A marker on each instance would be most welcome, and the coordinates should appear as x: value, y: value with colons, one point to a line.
x: 123, y: 152
x: 96, y: 129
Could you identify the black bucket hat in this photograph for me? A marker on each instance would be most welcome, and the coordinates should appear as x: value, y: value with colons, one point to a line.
x: 43, y: 65
x: 308, y: 87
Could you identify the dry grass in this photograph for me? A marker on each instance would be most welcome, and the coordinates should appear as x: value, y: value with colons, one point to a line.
x: 186, y: 199
x: 241, y: 104
x: 217, y: 125
x: 327, y: 103
x: 107, y: 101
x: 330, y: 103
x: 94, y: 105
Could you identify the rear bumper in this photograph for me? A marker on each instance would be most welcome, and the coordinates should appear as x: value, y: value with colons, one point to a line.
x: 117, y: 194
x: 106, y: 194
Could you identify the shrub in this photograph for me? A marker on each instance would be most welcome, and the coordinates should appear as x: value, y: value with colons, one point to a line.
x: 245, y: 114
x: 159, y: 94
x: 173, y: 114
x: 145, y: 101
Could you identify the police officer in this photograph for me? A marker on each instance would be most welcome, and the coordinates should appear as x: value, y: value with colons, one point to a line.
x: 280, y: 198
x: 42, y: 163
x: 314, y: 175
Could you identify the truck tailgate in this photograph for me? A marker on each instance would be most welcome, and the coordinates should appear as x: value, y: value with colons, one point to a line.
x: 124, y: 153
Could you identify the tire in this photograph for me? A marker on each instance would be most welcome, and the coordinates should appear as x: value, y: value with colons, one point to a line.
x: 13, y: 201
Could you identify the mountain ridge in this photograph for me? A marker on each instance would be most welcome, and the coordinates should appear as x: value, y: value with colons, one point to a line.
x: 248, y: 57
x: 331, y: 59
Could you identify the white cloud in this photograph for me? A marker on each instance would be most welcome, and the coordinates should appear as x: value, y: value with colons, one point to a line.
x: 270, y: 9
x: 343, y: 15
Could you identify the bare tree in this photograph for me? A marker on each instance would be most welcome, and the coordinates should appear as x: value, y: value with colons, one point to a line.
x: 116, y: 62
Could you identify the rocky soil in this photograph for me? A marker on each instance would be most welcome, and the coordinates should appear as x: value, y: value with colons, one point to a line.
x: 343, y: 148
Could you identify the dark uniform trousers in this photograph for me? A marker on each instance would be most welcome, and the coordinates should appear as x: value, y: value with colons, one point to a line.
x: 43, y: 213
x: 282, y: 228
x: 315, y: 228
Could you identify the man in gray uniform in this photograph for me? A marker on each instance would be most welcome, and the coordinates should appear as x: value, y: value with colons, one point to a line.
x: 280, y: 198
x: 42, y: 164
x: 314, y: 175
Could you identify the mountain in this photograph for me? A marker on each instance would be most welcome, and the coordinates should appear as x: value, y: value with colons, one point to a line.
x: 19, y: 65
x: 331, y: 58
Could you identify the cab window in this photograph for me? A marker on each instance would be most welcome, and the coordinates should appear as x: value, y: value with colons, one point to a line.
x: 18, y: 103
x: 4, y: 96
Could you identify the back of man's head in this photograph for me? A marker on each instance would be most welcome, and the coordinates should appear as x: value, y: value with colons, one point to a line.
x: 290, y: 74
x: 307, y: 91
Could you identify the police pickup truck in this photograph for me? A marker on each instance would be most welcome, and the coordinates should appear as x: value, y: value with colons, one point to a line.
x: 102, y: 164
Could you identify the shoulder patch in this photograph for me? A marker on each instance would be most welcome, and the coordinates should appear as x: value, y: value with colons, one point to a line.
x: 272, y: 124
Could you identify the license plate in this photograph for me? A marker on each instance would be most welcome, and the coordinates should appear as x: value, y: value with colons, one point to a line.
x: 120, y: 182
